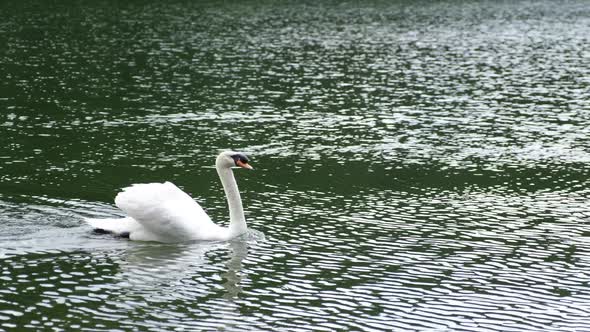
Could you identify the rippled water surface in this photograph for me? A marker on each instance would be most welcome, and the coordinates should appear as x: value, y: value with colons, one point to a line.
x: 419, y: 166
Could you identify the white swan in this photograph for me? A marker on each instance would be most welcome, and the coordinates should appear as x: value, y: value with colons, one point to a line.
x: 164, y: 213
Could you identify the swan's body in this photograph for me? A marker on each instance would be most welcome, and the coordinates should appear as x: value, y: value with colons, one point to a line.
x: 164, y: 213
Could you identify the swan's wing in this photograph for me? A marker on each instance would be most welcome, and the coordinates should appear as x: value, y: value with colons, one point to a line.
x: 164, y: 210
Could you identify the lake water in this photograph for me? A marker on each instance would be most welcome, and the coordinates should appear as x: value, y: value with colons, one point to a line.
x: 419, y: 166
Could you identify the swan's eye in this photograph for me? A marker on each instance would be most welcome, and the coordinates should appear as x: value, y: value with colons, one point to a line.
x: 240, y: 157
x: 241, y: 160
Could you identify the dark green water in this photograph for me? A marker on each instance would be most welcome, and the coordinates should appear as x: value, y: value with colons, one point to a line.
x: 419, y: 166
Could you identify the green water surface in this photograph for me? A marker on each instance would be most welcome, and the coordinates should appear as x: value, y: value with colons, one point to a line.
x: 420, y: 166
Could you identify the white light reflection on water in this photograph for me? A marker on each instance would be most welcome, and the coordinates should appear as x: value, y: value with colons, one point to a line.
x: 418, y: 166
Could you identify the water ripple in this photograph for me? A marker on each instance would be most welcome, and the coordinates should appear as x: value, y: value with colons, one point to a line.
x: 418, y: 166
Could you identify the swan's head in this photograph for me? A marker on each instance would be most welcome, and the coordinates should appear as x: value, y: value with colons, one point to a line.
x: 230, y: 159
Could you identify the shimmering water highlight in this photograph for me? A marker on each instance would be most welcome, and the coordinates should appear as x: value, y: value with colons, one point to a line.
x: 419, y: 166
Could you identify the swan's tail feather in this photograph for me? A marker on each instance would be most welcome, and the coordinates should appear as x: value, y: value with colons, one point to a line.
x: 118, y: 226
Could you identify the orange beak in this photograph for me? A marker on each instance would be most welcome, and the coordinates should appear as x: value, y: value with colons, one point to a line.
x: 244, y: 165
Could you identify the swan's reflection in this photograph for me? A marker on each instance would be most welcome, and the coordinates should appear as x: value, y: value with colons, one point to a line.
x: 234, y: 274
x: 184, y: 270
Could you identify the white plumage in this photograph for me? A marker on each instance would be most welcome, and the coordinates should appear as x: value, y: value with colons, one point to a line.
x: 164, y: 213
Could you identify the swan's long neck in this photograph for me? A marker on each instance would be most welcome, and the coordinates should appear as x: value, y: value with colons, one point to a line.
x: 237, y: 221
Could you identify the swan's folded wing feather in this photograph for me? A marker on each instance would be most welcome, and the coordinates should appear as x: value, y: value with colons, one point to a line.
x: 164, y: 209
